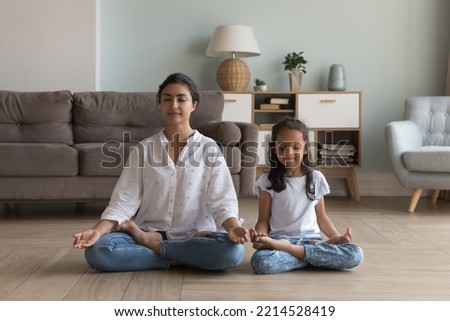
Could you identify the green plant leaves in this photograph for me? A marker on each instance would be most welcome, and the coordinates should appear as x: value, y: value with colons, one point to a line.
x: 295, y: 62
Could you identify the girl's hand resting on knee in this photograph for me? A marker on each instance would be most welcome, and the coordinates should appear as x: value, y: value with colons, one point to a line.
x: 255, y: 235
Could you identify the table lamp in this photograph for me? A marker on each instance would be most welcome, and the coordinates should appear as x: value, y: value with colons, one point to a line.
x: 233, y: 41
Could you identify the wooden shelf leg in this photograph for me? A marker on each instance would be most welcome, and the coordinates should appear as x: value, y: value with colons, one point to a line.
x: 352, y: 184
x: 347, y: 173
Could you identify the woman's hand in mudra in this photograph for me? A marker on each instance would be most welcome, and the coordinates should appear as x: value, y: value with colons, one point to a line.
x: 238, y: 235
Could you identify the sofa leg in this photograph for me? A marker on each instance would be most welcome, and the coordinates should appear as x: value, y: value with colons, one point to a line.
x: 434, y: 196
x: 414, y: 199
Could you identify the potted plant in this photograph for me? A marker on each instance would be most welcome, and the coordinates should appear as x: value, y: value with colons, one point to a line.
x: 260, y: 85
x: 294, y: 62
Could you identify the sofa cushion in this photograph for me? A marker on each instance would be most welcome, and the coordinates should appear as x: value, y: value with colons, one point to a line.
x: 62, y: 188
x: 38, y: 159
x: 36, y: 117
x: 99, y: 117
x: 210, y: 108
x: 428, y: 159
x: 103, y: 159
x: 131, y: 116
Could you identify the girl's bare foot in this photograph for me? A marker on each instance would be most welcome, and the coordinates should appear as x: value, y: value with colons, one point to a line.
x: 349, y: 234
x: 340, y: 239
x: 152, y: 240
x: 280, y: 245
x: 265, y: 242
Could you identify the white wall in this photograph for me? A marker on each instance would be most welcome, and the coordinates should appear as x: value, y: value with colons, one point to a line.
x: 390, y: 49
x: 47, y: 45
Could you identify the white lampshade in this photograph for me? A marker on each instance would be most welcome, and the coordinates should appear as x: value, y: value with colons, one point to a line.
x: 233, y: 41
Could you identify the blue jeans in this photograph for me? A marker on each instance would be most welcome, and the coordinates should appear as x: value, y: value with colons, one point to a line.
x: 118, y: 251
x: 332, y: 256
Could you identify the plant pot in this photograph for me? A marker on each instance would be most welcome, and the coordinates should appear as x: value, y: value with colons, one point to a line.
x: 260, y: 88
x: 295, y: 81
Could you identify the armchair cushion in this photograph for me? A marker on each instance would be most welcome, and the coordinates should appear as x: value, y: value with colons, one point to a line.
x: 428, y: 159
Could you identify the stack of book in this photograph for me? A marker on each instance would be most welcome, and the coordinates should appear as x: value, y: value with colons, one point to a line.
x: 337, y: 154
x: 274, y: 103
x: 265, y: 127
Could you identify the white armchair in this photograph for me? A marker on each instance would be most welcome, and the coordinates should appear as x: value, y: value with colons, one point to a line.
x: 419, y: 146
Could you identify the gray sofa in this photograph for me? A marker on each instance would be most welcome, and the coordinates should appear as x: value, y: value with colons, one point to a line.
x: 72, y: 146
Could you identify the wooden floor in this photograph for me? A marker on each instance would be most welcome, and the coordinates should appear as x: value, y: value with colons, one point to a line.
x: 407, y: 257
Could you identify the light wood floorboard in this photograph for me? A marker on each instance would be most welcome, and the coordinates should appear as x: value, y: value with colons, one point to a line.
x: 407, y: 257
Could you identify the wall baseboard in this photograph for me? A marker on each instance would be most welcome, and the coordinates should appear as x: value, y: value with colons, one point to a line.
x: 372, y: 184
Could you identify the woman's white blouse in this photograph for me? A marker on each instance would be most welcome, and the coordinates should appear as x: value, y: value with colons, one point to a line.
x: 196, y: 194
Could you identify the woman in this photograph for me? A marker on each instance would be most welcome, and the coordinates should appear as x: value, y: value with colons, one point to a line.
x: 174, y: 202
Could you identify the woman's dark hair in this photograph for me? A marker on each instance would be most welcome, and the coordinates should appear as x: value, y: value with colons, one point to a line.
x: 179, y: 78
x: 278, y: 170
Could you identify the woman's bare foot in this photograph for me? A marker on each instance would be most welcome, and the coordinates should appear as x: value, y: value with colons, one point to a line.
x: 202, y: 234
x: 152, y: 240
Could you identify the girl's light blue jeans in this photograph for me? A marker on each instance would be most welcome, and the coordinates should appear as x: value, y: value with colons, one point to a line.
x: 118, y: 251
x: 320, y: 254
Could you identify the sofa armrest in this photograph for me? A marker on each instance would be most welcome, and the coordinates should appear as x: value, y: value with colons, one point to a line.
x: 249, y: 143
x: 223, y: 132
x: 241, y: 134
x: 401, y: 136
x: 250, y: 158
x: 244, y: 136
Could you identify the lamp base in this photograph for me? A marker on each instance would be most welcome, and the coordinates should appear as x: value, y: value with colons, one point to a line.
x: 233, y: 75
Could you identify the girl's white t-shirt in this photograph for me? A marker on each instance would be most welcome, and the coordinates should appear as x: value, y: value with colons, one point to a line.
x: 293, y: 214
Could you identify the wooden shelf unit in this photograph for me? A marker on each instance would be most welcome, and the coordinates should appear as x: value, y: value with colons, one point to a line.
x: 333, y: 117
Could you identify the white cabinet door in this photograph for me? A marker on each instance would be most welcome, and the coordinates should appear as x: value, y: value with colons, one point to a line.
x: 238, y: 107
x: 329, y: 110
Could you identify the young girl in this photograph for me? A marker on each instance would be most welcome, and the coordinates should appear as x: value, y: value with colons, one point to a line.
x: 292, y: 213
x: 184, y: 211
